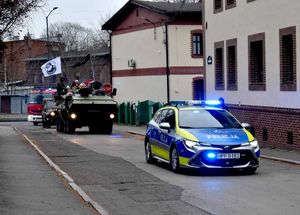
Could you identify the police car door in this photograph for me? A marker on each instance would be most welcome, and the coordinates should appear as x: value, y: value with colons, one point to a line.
x: 166, y: 136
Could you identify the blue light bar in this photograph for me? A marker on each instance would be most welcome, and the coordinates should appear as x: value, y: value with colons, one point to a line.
x: 213, y: 102
x: 196, y: 102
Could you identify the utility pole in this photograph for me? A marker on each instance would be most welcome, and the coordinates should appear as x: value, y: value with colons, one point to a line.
x: 47, y: 27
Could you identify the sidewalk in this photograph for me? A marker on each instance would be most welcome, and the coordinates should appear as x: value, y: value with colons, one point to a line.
x: 27, y: 184
x: 7, y: 117
x: 289, y: 156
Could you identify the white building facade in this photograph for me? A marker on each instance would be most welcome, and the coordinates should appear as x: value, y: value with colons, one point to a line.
x: 157, y: 53
x: 253, y: 63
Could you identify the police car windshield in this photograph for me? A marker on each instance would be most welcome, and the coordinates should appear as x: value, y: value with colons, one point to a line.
x: 201, y: 118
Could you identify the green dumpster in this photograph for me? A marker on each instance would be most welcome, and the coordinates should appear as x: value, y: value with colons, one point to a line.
x: 132, y: 114
x: 123, y: 113
x: 145, y: 111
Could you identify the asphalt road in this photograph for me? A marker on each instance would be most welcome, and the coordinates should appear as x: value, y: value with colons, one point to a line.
x: 112, y: 171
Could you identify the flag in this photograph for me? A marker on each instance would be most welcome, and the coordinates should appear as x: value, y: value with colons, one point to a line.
x: 52, y: 67
x: 83, y: 61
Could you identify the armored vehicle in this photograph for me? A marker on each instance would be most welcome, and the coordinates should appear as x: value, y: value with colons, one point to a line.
x: 86, y: 107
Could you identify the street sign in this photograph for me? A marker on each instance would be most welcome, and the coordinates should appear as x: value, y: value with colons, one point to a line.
x: 107, y: 88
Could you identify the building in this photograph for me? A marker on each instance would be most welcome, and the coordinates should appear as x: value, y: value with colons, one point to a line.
x: 156, y: 50
x: 13, y: 67
x: 251, y: 61
x: 98, y: 66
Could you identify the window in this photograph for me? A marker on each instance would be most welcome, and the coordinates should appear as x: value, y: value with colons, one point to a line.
x: 197, y: 44
x: 219, y: 66
x: 256, y: 61
x: 170, y: 118
x: 218, y: 6
x: 288, y: 59
x: 231, y: 64
x: 230, y: 4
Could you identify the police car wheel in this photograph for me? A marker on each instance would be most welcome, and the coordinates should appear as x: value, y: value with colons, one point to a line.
x: 175, y: 160
x: 148, y: 152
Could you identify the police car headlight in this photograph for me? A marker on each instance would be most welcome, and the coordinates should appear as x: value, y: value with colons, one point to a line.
x: 191, y: 144
x: 254, y: 144
x: 52, y: 113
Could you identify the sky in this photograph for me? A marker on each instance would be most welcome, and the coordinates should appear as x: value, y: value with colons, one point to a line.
x: 88, y: 13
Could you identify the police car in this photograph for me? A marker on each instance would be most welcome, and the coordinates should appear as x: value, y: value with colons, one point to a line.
x: 200, y: 134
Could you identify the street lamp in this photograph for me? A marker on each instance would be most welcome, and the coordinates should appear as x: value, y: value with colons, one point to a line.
x: 48, y: 30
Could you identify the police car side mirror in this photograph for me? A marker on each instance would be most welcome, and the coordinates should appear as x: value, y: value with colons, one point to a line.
x: 246, y: 125
x: 165, y: 126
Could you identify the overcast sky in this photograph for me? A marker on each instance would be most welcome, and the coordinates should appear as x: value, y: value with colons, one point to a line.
x: 88, y: 13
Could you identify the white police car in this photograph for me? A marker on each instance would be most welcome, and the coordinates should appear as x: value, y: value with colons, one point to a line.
x: 200, y: 134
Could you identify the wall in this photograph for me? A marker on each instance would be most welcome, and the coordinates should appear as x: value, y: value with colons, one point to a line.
x: 246, y: 19
x: 148, y: 79
x: 272, y: 112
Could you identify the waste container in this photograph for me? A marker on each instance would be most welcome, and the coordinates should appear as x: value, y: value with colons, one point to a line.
x: 145, y: 111
x: 132, y: 114
x: 123, y: 113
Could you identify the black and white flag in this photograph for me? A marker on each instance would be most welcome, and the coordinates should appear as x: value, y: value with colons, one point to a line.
x: 52, y: 67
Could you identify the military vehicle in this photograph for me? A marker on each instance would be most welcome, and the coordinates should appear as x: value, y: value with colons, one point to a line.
x: 89, y: 106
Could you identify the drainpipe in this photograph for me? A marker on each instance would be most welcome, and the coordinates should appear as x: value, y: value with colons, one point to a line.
x: 167, y: 63
x: 110, y: 50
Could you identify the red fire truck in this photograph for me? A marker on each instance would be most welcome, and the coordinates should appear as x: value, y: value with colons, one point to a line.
x: 35, y: 105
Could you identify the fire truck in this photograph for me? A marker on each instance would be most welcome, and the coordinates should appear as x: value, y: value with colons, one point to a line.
x: 35, y: 104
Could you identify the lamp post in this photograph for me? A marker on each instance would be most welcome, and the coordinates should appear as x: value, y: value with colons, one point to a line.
x: 48, y: 30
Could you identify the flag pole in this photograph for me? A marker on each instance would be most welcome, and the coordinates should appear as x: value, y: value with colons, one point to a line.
x: 92, y: 67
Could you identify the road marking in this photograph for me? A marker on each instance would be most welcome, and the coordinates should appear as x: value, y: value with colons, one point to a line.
x: 70, y: 180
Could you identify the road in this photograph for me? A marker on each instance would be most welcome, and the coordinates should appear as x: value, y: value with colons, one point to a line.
x: 113, y: 171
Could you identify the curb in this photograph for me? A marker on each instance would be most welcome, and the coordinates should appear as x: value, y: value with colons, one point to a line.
x: 262, y: 156
x: 280, y: 159
x: 70, y: 180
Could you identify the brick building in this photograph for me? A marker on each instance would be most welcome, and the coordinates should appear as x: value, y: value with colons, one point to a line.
x: 99, y: 63
x: 253, y: 46
x: 14, y: 65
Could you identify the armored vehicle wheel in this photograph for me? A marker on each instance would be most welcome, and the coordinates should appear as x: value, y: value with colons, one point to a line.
x: 107, y: 128
x: 94, y: 129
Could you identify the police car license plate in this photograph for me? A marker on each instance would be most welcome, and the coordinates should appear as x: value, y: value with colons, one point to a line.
x: 228, y: 155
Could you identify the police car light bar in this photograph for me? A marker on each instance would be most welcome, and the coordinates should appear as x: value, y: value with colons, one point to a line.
x: 196, y: 102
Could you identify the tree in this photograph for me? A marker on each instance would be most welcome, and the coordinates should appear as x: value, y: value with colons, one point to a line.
x: 12, y: 14
x: 78, y: 38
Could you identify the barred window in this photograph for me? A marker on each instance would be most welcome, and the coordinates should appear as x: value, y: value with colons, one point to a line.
x: 256, y: 60
x: 219, y: 66
x: 231, y: 64
x: 218, y: 6
x: 288, y: 59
